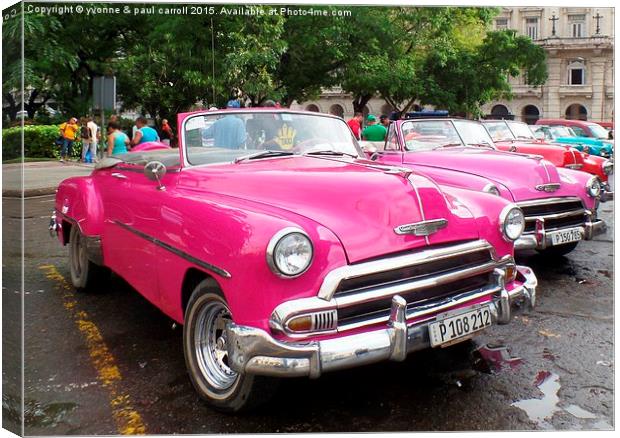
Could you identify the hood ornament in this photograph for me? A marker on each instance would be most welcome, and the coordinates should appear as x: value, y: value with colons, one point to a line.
x: 424, y: 228
x: 548, y: 188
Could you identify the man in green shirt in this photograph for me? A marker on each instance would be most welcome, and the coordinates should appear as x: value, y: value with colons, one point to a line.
x: 373, y: 131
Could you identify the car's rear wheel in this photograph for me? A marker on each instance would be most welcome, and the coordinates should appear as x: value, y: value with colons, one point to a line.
x: 84, y: 273
x: 559, y: 250
x: 206, y: 356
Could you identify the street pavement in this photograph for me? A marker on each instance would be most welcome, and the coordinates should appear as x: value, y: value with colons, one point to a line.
x: 39, y: 177
x: 108, y: 362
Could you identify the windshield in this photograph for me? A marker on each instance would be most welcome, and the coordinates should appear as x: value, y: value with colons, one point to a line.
x: 499, y: 131
x: 473, y: 133
x: 561, y: 131
x: 599, y: 132
x: 521, y: 130
x: 225, y: 137
x: 427, y: 135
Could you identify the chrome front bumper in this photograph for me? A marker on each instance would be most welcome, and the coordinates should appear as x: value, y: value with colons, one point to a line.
x: 541, y: 239
x: 254, y: 351
x: 607, y: 194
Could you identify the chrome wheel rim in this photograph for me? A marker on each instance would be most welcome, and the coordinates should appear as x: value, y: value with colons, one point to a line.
x: 210, y: 345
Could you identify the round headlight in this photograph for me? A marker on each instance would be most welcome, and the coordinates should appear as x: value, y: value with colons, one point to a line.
x: 608, y: 167
x: 593, y: 187
x: 492, y: 189
x: 289, y: 252
x: 512, y: 222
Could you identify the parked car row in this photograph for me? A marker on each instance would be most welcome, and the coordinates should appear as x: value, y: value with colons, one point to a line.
x: 286, y: 248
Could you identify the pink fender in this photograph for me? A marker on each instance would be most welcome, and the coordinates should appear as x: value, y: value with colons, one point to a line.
x: 78, y: 202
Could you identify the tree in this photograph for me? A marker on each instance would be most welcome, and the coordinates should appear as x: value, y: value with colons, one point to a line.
x: 464, y: 79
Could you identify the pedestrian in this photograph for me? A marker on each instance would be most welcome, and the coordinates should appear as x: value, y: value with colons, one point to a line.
x: 95, y: 136
x: 356, y: 124
x: 384, y: 120
x: 85, y: 139
x: 69, y: 132
x: 166, y: 132
x: 229, y: 131
x: 144, y: 133
x: 117, y: 140
x: 373, y: 130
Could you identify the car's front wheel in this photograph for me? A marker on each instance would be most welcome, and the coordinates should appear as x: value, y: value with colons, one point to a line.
x: 206, y: 356
x: 559, y: 250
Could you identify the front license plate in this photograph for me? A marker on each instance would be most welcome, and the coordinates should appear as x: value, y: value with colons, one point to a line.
x: 449, y: 328
x: 565, y: 236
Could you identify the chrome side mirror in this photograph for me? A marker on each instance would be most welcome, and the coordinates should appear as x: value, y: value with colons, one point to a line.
x: 155, y: 171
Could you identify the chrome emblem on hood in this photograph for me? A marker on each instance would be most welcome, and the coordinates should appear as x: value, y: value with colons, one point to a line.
x: 552, y: 187
x: 423, y: 228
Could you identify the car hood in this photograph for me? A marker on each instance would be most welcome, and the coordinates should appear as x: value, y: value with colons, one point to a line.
x: 591, y: 142
x: 521, y: 174
x: 361, y: 204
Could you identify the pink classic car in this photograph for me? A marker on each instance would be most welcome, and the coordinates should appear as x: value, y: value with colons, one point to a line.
x: 559, y: 204
x: 283, y: 254
x: 512, y: 136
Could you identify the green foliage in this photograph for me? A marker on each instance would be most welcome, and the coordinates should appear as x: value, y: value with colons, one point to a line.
x: 38, y: 142
x: 464, y: 79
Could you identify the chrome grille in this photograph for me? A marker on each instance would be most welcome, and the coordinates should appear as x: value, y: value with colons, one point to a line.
x: 324, y: 321
x: 557, y: 213
x: 366, y: 299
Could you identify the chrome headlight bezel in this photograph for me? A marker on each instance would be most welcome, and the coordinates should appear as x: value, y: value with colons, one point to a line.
x: 492, y: 189
x: 607, y: 167
x: 505, y: 217
x: 275, y: 247
x: 594, y: 187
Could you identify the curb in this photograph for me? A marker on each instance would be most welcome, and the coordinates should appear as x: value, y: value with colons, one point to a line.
x: 28, y: 193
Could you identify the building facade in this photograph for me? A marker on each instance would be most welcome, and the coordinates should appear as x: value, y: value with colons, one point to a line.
x: 579, y: 43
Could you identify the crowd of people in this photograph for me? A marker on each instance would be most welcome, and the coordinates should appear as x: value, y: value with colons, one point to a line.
x: 374, y: 130
x: 115, y: 141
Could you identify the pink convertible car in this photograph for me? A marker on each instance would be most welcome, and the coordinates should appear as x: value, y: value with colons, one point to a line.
x: 559, y: 204
x: 283, y: 254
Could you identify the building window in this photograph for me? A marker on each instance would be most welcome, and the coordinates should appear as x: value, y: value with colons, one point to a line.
x: 531, y: 27
x: 576, y: 73
x: 501, y: 23
x: 577, y: 25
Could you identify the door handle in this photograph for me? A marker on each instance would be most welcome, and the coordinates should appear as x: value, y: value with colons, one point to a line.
x: 119, y: 175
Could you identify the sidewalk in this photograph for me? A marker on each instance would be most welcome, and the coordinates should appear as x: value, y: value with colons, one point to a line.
x: 40, y: 178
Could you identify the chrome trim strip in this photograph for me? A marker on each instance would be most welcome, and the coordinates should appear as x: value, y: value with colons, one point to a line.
x: 176, y: 251
x: 545, y: 201
x: 417, y: 194
x: 333, y: 278
x: 548, y: 188
x: 423, y: 228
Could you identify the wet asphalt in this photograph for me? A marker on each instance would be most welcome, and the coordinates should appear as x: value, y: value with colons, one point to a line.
x: 565, y: 380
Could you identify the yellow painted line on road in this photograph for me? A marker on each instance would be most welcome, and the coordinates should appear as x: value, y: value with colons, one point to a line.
x: 128, y: 420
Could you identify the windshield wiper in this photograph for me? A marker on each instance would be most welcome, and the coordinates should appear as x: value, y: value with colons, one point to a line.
x: 262, y: 154
x: 330, y: 152
x: 451, y: 145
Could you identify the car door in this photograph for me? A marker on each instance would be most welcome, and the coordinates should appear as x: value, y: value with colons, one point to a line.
x: 132, y: 205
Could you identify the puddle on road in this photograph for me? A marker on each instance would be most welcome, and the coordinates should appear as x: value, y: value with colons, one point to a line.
x: 541, y: 410
x: 50, y: 415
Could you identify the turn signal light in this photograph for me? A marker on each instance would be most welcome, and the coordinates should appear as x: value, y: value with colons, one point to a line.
x: 300, y: 324
x: 511, y: 273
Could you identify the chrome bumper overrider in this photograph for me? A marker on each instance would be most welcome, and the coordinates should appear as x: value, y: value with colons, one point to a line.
x: 607, y: 194
x: 540, y: 239
x: 254, y: 351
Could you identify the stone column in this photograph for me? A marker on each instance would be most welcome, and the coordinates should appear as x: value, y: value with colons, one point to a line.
x: 551, y: 89
x: 596, y: 74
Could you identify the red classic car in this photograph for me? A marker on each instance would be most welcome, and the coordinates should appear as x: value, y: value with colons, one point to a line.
x: 518, y: 137
x: 283, y: 254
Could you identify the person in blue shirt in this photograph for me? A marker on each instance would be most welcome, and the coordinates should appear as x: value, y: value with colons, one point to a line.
x: 229, y: 131
x: 144, y: 133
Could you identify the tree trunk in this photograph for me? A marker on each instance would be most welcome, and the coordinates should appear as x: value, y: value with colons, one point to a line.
x: 360, y: 102
x: 12, y: 108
